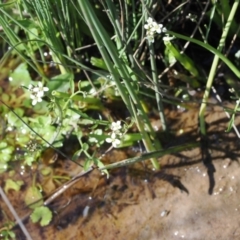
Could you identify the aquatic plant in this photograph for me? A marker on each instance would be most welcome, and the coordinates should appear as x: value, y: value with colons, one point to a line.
x: 101, y: 98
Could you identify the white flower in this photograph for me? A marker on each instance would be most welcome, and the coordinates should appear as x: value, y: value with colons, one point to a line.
x: 114, y: 140
x: 116, y: 126
x: 37, y: 92
x: 158, y: 28
x: 153, y: 28
x: 30, y: 87
x: 149, y: 23
x: 35, y: 99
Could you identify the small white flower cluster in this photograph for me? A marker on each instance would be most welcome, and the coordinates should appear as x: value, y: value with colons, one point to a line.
x: 153, y: 28
x: 116, y: 134
x: 37, y: 92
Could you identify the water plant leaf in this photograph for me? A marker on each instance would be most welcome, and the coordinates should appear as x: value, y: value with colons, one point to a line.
x: 13, y: 120
x: 42, y: 213
x: 33, y: 197
x: 15, y: 185
x: 5, y: 152
x: 3, y: 167
x: 5, y: 234
x: 20, y: 76
x: 29, y: 159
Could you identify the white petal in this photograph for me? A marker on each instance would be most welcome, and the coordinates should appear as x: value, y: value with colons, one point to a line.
x: 146, y: 26
x: 40, y: 94
x: 149, y: 20
x: 116, y: 142
x: 109, y: 140
x: 35, y: 89
x: 39, y: 99
x: 40, y: 84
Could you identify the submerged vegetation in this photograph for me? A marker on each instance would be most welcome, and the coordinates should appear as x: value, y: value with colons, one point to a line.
x: 88, y: 74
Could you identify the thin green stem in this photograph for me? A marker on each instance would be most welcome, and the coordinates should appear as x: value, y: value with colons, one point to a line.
x: 214, y: 68
x: 157, y: 93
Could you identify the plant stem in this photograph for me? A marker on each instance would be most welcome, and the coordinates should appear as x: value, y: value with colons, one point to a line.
x: 214, y: 68
x: 157, y: 93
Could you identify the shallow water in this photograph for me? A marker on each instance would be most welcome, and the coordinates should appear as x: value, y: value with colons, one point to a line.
x: 186, y: 199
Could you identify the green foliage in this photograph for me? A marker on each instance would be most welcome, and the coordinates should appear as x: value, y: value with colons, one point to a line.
x: 118, y: 66
x: 6, y: 233
x: 6, y: 152
x: 42, y: 214
x: 182, y: 58
x: 20, y: 76
x: 15, y: 185
x: 33, y: 197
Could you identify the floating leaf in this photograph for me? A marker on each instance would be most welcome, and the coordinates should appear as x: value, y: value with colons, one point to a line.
x: 42, y: 213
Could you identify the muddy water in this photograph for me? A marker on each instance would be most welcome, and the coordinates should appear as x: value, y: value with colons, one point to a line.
x: 186, y: 199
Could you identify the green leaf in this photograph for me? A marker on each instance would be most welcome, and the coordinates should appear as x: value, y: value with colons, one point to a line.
x: 46, y: 171
x: 85, y: 147
x: 87, y: 164
x: 101, y: 166
x: 5, y: 97
x: 3, y: 145
x: 15, y: 185
x: 60, y: 83
x: 97, y: 136
x: 20, y: 76
x: 98, y: 62
x: 42, y: 213
x: 5, y: 234
x: 230, y: 124
x: 3, y: 167
x: 13, y: 120
x: 33, y: 197
x: 29, y: 159
x: 129, y: 139
x: 183, y: 59
x: 77, y: 155
x: 28, y: 23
